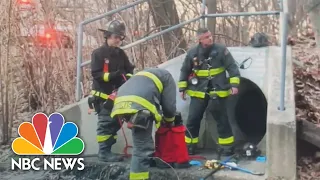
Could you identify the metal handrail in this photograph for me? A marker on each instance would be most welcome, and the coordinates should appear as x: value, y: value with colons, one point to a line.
x: 283, y: 21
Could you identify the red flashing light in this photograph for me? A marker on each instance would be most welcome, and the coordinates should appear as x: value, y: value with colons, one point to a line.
x: 24, y: 1
x: 48, y: 35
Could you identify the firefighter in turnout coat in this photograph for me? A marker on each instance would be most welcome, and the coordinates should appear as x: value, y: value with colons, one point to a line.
x: 108, y: 66
x: 139, y: 102
x: 203, y: 77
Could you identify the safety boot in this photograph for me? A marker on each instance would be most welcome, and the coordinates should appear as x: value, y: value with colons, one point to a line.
x: 192, y: 149
x: 106, y: 155
x: 225, y: 151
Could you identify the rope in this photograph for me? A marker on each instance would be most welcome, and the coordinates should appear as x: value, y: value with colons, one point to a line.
x: 127, y: 146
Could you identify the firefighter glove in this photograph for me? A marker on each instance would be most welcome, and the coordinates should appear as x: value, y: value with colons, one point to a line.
x: 114, y: 75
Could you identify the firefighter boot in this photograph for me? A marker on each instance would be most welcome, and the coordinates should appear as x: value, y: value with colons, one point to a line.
x: 105, y: 153
x: 226, y: 150
x: 192, y: 149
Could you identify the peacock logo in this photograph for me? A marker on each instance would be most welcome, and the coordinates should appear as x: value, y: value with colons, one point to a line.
x: 48, y: 136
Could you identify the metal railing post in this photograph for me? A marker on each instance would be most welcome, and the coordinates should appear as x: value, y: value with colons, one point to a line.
x: 203, y: 13
x: 79, y: 61
x: 284, y: 33
x: 80, y: 41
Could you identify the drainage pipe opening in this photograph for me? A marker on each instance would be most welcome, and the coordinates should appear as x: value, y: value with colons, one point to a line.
x: 251, y: 111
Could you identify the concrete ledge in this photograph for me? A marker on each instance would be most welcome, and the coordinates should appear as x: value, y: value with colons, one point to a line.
x: 281, y: 125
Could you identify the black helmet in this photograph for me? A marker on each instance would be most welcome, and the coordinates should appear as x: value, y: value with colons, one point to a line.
x: 259, y: 40
x: 250, y: 150
x: 114, y: 27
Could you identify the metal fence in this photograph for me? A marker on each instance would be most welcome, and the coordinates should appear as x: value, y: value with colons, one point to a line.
x: 283, y: 22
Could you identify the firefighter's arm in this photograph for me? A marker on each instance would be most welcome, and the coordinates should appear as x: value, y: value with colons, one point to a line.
x: 232, y: 68
x: 97, y: 67
x: 185, y: 71
x: 127, y: 65
x: 168, y: 98
x: 97, y: 64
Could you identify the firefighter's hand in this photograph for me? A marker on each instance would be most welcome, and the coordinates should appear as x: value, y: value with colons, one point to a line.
x: 234, y: 90
x: 183, y: 95
x: 114, y: 75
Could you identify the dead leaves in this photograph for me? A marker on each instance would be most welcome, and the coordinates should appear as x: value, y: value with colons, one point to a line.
x: 307, y: 97
x: 307, y: 84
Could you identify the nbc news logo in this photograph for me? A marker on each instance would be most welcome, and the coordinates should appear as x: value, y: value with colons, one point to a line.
x: 48, y: 136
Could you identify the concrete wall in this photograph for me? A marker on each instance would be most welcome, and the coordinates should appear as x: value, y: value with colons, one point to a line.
x: 281, y: 125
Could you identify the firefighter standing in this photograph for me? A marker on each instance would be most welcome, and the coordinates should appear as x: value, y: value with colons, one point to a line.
x: 138, y: 102
x: 203, y: 78
x: 108, y: 66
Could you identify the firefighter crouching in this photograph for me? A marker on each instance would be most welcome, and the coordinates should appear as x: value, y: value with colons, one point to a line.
x: 203, y: 78
x: 138, y: 102
x: 109, y: 66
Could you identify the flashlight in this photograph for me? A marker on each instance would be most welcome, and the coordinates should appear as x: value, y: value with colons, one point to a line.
x: 194, y: 80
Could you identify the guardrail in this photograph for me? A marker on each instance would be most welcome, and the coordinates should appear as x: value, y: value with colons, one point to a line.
x: 283, y: 21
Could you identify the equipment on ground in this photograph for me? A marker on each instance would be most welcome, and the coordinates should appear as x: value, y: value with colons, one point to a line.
x: 218, y: 168
x: 250, y: 150
x: 170, y: 145
x: 242, y: 169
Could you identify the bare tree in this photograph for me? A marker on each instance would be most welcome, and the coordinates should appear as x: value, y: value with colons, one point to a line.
x: 165, y: 15
x: 313, y: 9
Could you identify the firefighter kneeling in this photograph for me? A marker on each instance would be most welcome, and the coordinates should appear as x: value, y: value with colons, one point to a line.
x: 138, y: 102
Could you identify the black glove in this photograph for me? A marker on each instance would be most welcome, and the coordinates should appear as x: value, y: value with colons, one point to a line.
x: 178, y: 119
x: 114, y: 75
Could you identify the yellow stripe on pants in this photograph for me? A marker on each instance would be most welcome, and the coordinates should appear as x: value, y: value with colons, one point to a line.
x: 139, y: 176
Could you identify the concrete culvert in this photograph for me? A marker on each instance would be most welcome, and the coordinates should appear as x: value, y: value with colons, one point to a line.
x: 251, y: 111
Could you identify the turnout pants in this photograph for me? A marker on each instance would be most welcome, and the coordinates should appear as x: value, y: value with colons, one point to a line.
x: 107, y: 127
x: 143, y: 150
x: 219, y: 112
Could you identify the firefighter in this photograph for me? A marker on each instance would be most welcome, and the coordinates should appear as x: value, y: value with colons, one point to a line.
x: 203, y: 78
x: 138, y: 102
x: 109, y: 66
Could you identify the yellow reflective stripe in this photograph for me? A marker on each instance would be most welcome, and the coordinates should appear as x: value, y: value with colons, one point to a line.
x: 99, y: 94
x: 154, y: 78
x: 221, y: 93
x: 191, y: 140
x: 197, y: 94
x: 115, y: 137
x: 129, y: 75
x: 139, y: 100
x: 211, y: 72
x: 106, y: 77
x: 169, y: 119
x: 123, y: 111
x: 234, y: 80
x: 139, y: 176
x: 158, y: 125
x: 182, y: 84
x: 103, y: 138
x: 226, y: 141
